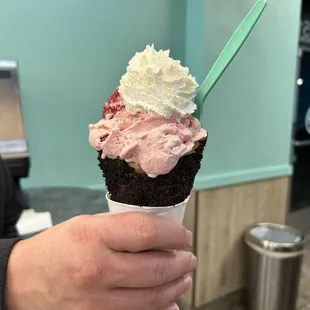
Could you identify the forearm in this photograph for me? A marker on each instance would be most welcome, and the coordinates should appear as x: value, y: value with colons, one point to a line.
x: 6, y: 246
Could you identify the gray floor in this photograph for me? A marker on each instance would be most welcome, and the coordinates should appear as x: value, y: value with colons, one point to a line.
x: 65, y: 203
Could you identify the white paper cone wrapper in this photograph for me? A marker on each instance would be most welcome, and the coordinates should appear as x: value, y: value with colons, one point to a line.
x: 174, y: 213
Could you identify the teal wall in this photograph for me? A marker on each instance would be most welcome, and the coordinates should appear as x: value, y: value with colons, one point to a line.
x: 72, y: 54
x: 249, y: 112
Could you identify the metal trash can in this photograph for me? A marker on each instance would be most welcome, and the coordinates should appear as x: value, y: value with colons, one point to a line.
x: 275, y: 255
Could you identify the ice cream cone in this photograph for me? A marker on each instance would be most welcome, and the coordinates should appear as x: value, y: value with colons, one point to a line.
x: 174, y: 212
x: 149, y: 145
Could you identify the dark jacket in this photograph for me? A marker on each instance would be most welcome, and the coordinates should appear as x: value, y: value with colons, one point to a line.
x: 11, y: 205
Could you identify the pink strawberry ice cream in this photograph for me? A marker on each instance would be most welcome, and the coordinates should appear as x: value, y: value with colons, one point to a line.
x: 152, y: 141
x: 147, y: 121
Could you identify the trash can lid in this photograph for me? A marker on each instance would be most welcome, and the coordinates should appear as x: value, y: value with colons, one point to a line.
x: 275, y: 237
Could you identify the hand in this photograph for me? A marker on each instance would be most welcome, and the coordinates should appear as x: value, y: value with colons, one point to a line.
x: 101, y: 262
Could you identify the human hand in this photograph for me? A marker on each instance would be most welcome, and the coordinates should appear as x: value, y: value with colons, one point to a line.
x: 101, y: 262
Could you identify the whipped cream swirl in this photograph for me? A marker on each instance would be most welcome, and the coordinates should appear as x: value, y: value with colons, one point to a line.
x: 158, y: 84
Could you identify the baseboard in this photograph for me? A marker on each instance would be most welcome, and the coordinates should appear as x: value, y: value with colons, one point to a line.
x: 97, y: 187
x: 237, y: 177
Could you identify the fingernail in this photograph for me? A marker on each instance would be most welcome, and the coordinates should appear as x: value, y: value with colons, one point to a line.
x: 187, y: 282
x: 174, y: 307
x: 189, y: 238
x: 193, y: 262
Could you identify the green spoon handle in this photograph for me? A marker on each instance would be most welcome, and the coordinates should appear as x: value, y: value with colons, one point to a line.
x: 229, y: 52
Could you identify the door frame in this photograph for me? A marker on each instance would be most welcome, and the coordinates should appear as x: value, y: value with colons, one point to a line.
x: 299, y: 219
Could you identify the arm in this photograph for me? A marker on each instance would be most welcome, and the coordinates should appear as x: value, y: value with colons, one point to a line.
x: 6, y: 246
x: 12, y: 205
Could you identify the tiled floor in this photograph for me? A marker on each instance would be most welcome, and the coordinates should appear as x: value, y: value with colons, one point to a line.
x: 64, y: 203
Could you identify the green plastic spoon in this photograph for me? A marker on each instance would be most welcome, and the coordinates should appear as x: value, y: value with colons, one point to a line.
x: 228, y: 53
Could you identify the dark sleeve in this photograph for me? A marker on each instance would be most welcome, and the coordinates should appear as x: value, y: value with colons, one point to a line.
x: 6, y: 246
x: 12, y: 204
x: 15, y: 206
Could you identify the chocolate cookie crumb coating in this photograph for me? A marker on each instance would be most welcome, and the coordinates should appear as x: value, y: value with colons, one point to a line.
x: 127, y: 186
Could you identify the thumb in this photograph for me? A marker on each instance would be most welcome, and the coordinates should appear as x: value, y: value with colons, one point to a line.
x: 101, y: 214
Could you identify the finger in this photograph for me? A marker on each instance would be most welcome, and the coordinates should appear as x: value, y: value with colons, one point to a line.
x: 150, y: 269
x: 160, y: 297
x: 137, y: 231
x: 173, y: 306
